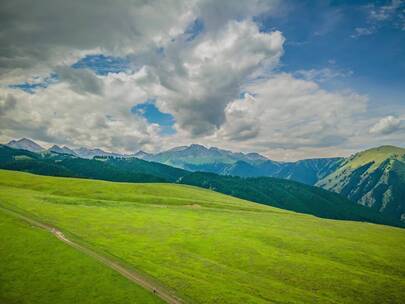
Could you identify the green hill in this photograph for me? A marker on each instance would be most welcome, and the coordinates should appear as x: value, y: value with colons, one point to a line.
x: 288, y: 195
x: 104, y: 168
x: 208, y: 247
x: 374, y: 178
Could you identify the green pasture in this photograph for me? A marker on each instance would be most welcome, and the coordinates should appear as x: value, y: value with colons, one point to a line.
x: 206, y: 247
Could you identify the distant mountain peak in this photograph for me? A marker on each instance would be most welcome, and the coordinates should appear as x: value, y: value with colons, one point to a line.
x: 23, y: 141
x: 62, y: 150
x: 256, y: 156
x: 142, y: 154
x: 90, y: 153
x: 195, y: 156
x: 197, y: 147
x: 25, y: 144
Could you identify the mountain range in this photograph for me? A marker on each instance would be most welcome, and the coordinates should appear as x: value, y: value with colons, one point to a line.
x: 186, y: 157
x: 374, y: 178
x: 224, y: 162
x: 30, y: 145
x: 25, y: 144
x: 214, y: 160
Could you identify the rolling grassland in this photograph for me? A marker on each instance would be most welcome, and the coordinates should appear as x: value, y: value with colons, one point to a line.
x: 204, y: 246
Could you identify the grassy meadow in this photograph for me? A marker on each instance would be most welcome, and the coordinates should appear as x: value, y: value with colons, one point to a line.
x: 35, y: 267
x: 206, y: 247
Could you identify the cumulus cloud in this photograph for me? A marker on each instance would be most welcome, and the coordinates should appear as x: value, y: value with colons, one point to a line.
x: 80, y: 80
x: 216, y: 14
x: 193, y: 80
x: 197, y: 81
x: 386, y: 125
x: 288, y: 112
x: 61, y: 115
x: 7, y: 103
x: 36, y: 36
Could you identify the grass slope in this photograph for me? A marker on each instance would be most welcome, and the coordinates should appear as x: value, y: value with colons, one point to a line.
x: 212, y: 248
x: 289, y: 195
x: 373, y: 178
x: 376, y: 156
x: 35, y: 267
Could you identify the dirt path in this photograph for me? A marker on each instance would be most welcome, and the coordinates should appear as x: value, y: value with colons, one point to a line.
x: 133, y: 276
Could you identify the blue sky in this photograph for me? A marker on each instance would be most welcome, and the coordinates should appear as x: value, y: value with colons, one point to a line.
x: 194, y: 29
x: 152, y: 114
x: 102, y: 64
x: 322, y: 34
x: 36, y: 83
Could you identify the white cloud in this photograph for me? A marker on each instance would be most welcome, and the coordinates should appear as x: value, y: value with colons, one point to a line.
x: 287, y: 112
x: 363, y: 31
x: 198, y: 81
x: 377, y: 15
x: 81, y: 81
x: 195, y: 82
x: 322, y: 75
x: 59, y: 114
x: 386, y: 125
x: 386, y: 11
x: 36, y: 36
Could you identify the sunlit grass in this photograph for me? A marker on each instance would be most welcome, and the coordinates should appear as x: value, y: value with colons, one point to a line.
x: 36, y: 268
x: 212, y: 248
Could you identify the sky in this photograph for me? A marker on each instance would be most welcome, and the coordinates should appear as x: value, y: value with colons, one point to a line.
x: 288, y: 79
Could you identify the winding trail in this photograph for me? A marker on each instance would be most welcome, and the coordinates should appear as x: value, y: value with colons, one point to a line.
x: 131, y: 275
